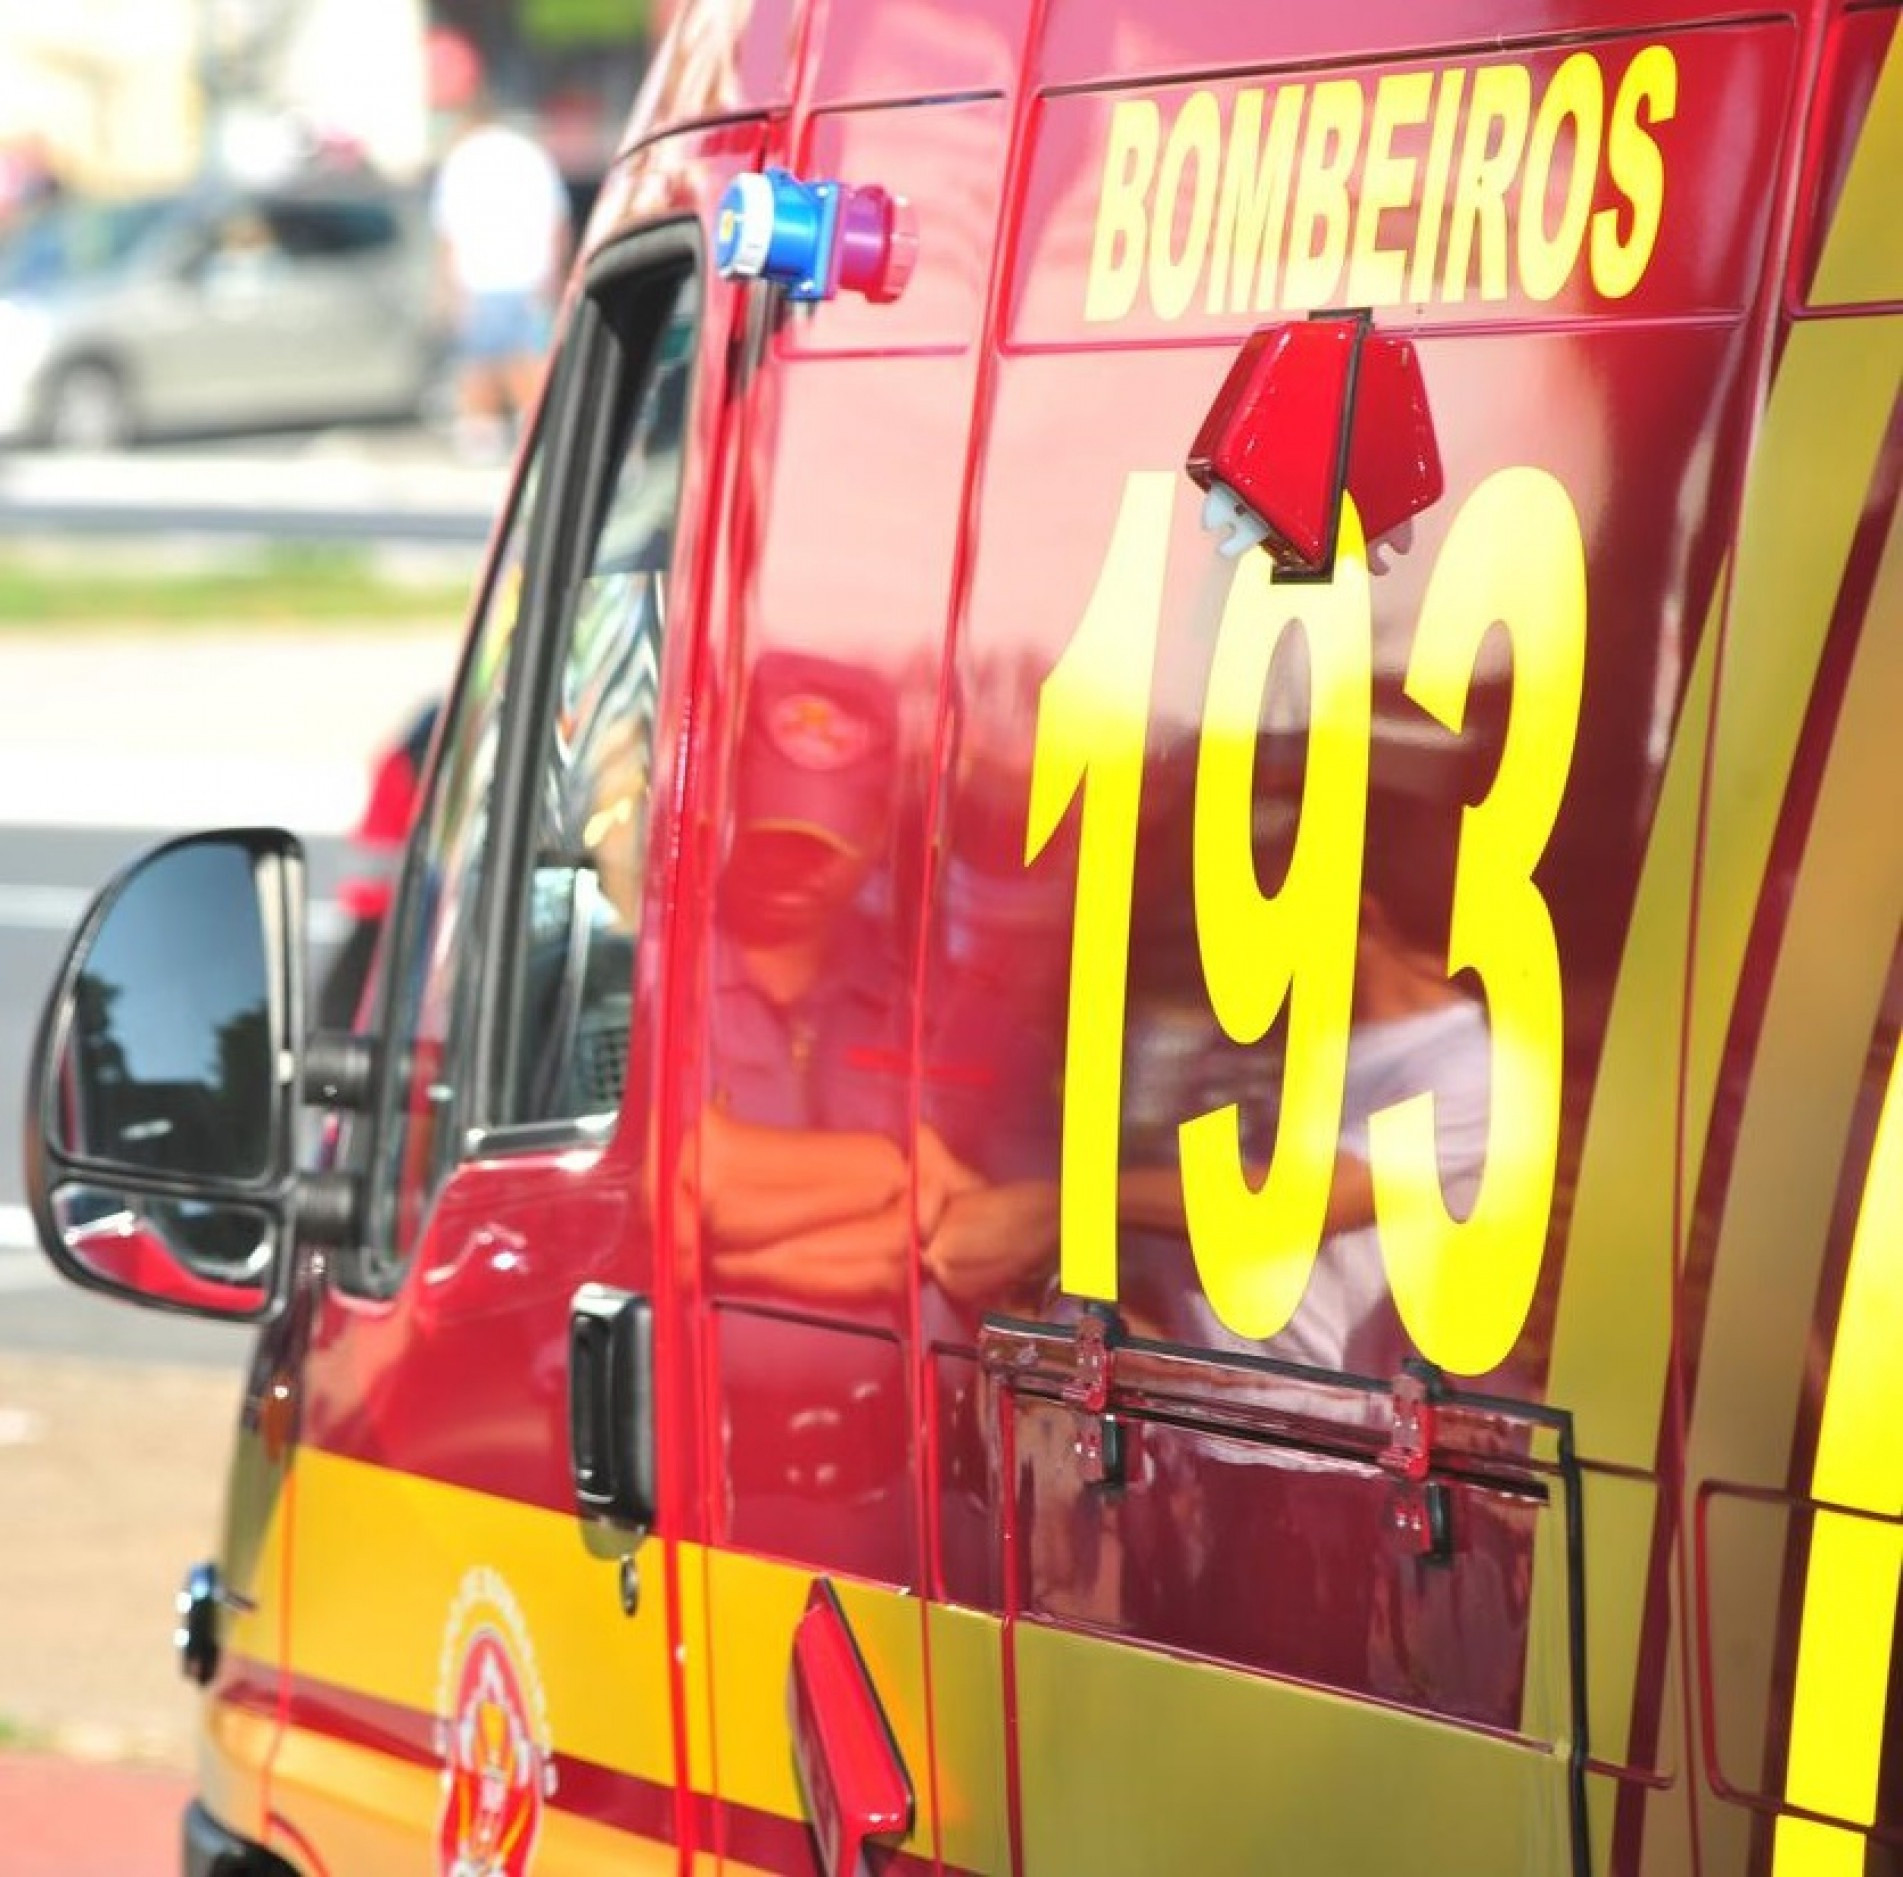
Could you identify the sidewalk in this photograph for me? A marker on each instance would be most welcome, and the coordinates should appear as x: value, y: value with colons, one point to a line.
x: 69, y: 1818
x: 115, y: 1474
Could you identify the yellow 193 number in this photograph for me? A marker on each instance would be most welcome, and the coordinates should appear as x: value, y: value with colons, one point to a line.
x: 1514, y: 559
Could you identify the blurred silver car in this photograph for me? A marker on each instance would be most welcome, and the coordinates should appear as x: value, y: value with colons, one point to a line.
x: 215, y: 309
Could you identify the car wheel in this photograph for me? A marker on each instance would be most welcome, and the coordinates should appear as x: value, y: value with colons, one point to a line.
x: 88, y: 408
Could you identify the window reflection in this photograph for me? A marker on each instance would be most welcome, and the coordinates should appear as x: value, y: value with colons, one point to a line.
x: 584, y: 907
x: 808, y: 1173
x: 199, y: 1252
x: 434, y: 965
x: 807, y: 1183
x: 169, y: 1064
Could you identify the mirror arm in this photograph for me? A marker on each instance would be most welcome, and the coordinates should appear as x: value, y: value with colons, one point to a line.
x: 340, y: 1069
x: 329, y: 1208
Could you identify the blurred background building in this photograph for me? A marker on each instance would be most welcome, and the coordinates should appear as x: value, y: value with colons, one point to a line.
x: 110, y: 96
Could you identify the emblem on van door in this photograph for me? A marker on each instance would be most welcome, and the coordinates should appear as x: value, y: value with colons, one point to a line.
x: 492, y: 1733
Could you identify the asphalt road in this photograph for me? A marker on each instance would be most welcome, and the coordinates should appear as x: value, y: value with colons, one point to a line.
x: 111, y: 741
x: 116, y: 1422
x: 274, y: 728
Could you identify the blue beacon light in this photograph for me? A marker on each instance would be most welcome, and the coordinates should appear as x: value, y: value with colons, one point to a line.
x: 813, y: 238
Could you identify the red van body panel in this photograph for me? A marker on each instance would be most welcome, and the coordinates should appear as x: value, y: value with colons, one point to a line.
x: 1278, y: 1197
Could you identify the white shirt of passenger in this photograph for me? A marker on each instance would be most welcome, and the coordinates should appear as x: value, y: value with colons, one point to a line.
x: 500, y: 208
x: 1446, y: 1049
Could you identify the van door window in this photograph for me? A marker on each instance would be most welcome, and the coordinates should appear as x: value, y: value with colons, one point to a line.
x: 582, y: 915
x: 492, y: 1033
x: 433, y: 968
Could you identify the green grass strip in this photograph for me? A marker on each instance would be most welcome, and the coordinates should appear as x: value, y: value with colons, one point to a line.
x: 301, y: 585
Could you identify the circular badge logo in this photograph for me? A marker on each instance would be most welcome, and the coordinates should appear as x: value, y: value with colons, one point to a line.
x: 817, y: 733
x: 492, y: 1733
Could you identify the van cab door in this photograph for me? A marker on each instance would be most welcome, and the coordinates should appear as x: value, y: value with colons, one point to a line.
x: 799, y: 1010
x: 1317, y: 1452
x: 484, y: 1639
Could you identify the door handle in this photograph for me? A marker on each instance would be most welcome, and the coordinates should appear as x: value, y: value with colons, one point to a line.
x: 611, y: 1406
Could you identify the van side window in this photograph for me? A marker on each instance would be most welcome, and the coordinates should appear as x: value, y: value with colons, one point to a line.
x: 582, y: 913
x: 433, y: 969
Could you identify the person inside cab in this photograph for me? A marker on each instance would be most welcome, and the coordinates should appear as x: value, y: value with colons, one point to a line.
x: 806, y: 1179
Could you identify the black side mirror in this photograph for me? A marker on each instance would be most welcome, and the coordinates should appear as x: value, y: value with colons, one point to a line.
x: 160, y: 1150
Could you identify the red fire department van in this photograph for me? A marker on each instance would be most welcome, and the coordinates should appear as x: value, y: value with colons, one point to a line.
x: 1132, y: 1105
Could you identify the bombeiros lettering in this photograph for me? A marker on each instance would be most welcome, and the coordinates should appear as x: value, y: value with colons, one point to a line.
x: 1472, y: 184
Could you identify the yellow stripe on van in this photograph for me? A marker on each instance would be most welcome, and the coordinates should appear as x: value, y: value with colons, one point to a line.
x: 1231, y: 1762
x: 1816, y: 455
x: 1133, y: 1760
x: 956, y: 1759
x: 1837, y: 391
x: 381, y: 1558
x: 365, y: 1811
x: 1822, y: 1005
x: 253, y: 1550
x: 391, y: 1552
x: 1862, y: 261
x: 236, y: 1750
x: 968, y: 1768
x: 755, y: 1604
x: 233, y: 1754
x: 1772, y: 1236
x: 1850, y: 1589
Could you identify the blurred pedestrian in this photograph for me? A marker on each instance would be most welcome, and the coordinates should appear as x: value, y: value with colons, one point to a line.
x: 29, y: 181
x: 501, y: 216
